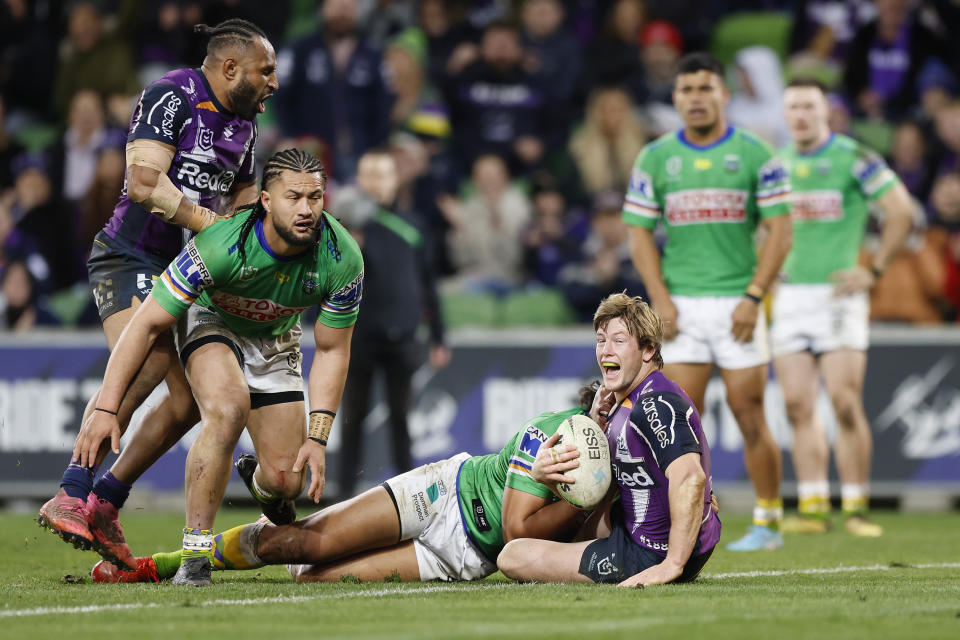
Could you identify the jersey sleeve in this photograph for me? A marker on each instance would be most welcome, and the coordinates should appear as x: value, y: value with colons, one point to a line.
x: 663, y: 421
x: 247, y: 171
x: 182, y: 282
x: 341, y: 303
x: 872, y: 174
x: 160, y: 114
x: 640, y: 205
x: 526, y: 445
x: 773, y: 184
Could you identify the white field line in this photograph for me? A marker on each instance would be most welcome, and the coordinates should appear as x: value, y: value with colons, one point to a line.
x: 401, y: 591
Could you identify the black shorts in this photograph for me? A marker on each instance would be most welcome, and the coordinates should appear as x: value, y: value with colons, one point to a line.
x: 117, y: 275
x: 614, y: 559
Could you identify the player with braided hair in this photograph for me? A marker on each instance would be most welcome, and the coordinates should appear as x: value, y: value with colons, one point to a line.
x: 251, y: 275
x: 190, y: 153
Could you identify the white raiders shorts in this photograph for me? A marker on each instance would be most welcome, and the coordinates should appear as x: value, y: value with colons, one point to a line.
x: 426, y: 499
x: 704, y: 325
x: 272, y: 366
x: 810, y: 317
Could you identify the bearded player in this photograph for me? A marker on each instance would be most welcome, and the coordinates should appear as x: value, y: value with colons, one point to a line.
x: 713, y: 185
x: 821, y: 310
x: 190, y: 153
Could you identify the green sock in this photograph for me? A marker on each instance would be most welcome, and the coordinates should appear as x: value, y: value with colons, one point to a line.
x: 167, y: 563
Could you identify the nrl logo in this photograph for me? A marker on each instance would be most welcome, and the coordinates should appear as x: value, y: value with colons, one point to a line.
x: 228, y: 131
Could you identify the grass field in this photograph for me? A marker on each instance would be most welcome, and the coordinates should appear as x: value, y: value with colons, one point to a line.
x: 904, y: 585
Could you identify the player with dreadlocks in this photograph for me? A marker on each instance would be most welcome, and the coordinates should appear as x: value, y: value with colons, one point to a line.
x: 190, y: 153
x: 251, y: 275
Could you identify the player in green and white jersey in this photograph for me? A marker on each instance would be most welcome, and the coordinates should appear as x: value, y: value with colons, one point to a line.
x: 821, y: 310
x: 447, y: 520
x: 712, y: 185
x: 236, y: 293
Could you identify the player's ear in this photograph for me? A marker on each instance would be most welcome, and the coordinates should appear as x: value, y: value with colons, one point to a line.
x: 265, y: 200
x: 648, y: 352
x: 230, y: 68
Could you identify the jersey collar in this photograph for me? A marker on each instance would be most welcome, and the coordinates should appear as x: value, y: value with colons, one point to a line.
x: 258, y: 227
x: 819, y: 149
x: 213, y: 97
x: 726, y: 136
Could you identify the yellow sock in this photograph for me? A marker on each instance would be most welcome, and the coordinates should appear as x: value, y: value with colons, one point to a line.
x: 768, y: 513
x: 237, y: 548
x: 854, y: 498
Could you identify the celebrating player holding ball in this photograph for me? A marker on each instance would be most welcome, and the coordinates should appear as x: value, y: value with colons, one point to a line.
x: 663, y: 529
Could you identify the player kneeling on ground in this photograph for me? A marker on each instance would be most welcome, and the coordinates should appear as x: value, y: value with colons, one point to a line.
x: 446, y: 520
x: 663, y: 528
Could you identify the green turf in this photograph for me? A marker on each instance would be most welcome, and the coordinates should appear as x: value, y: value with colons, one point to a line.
x: 899, y: 600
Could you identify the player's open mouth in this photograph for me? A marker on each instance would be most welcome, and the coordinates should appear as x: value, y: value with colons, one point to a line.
x: 262, y: 106
x: 610, y: 368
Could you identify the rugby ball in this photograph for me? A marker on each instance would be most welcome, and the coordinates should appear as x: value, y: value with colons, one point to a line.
x: 592, y: 477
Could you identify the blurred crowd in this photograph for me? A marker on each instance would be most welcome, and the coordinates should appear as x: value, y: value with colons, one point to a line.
x: 513, y: 124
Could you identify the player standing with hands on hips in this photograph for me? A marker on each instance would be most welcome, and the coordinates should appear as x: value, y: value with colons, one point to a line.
x: 712, y: 185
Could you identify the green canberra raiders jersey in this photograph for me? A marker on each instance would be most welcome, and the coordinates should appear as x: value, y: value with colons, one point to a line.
x: 264, y: 294
x: 483, y: 479
x: 831, y: 190
x: 711, y: 200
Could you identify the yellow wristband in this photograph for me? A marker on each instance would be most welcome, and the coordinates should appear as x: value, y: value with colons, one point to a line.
x: 755, y: 291
x: 321, y: 422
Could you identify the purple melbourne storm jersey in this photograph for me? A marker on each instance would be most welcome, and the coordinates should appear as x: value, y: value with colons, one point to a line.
x: 653, y: 426
x: 214, y: 149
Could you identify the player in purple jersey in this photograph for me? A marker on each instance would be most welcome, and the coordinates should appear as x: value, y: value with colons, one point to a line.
x: 190, y: 153
x: 663, y: 529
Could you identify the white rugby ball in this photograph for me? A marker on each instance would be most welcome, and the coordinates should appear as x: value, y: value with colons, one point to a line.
x: 594, y: 474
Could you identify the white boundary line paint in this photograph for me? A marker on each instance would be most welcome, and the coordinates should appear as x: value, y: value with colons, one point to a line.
x: 413, y: 591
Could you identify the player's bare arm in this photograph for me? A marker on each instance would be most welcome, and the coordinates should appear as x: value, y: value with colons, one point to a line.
x: 646, y: 260
x: 149, y: 186
x: 328, y: 374
x: 242, y: 194
x: 687, y: 481
x: 897, y: 207
x: 528, y: 516
x: 149, y: 321
x: 779, y: 239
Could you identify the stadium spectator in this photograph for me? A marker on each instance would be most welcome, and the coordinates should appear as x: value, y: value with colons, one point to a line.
x: 96, y: 206
x: 450, y: 47
x: 553, y: 55
x: 37, y: 213
x: 9, y: 148
x: 910, y: 159
x: 605, y: 147
x: 947, y: 126
x: 20, y: 308
x: 552, y: 239
x: 662, y: 47
x: 839, y: 114
x: 418, y: 106
x: 825, y: 29
x: 756, y: 102
x: 940, y: 258
x: 163, y: 37
x: 383, y: 20
x: 605, y: 267
x: 28, y: 56
x: 615, y: 57
x: 74, y: 156
x: 399, y: 291
x: 331, y: 86
x: 885, y: 58
x: 497, y: 107
x: 94, y: 58
x: 18, y: 246
x: 937, y: 86
x: 484, y: 241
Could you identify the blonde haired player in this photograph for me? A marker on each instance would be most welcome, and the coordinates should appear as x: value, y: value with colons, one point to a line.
x: 821, y: 311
